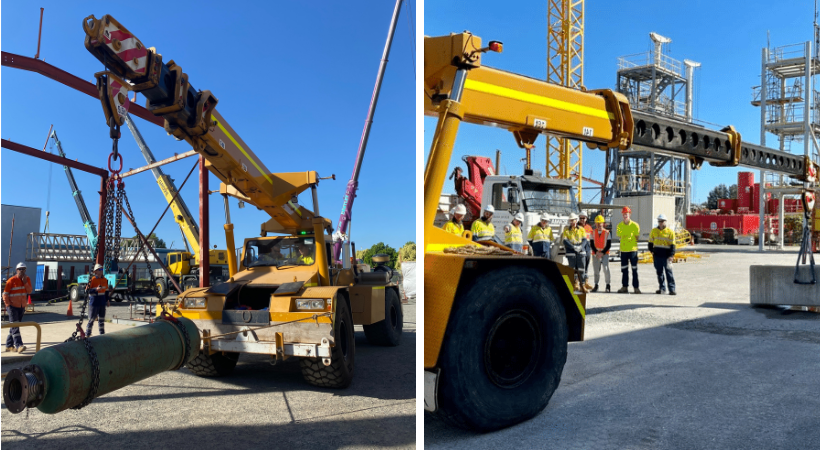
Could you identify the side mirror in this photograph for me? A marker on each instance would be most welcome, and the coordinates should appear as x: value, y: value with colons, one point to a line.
x: 512, y: 198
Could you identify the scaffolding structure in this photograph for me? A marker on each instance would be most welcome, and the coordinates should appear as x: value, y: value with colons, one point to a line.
x: 657, y: 83
x: 790, y: 110
x: 565, y: 67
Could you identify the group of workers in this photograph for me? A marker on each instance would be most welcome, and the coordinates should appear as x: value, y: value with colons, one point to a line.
x: 583, y: 243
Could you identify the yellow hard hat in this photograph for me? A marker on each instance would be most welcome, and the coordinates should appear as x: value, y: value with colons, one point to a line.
x: 599, y: 219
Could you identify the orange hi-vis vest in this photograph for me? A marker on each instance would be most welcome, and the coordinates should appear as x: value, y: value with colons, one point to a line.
x: 100, y: 283
x: 600, y: 239
x: 17, y: 291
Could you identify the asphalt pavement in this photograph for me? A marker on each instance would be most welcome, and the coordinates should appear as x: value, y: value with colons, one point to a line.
x: 703, y: 369
x: 258, y: 405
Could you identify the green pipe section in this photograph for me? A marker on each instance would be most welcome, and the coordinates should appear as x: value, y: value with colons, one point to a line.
x: 59, y: 377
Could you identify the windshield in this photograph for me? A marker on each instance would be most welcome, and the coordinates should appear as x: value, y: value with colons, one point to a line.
x: 280, y: 252
x: 540, y: 198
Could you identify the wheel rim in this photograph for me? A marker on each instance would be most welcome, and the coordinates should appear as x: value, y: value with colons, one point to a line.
x: 512, y: 349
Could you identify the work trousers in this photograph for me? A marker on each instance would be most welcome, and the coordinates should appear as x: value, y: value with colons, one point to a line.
x: 588, y: 249
x: 519, y: 247
x: 541, y: 249
x: 15, y: 315
x: 597, y: 263
x: 96, y: 312
x: 662, y: 264
x: 576, y: 261
x: 629, y: 259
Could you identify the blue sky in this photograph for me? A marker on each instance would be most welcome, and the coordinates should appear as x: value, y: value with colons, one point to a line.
x: 726, y: 37
x: 294, y: 79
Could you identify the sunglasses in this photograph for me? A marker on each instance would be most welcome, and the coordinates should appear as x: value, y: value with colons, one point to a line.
x: 23, y: 270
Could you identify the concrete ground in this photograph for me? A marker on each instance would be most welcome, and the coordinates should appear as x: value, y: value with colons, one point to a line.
x: 699, y: 370
x: 259, y: 405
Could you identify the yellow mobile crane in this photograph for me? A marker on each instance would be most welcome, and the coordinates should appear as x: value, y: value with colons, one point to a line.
x: 184, y: 266
x: 496, y: 324
x: 286, y: 299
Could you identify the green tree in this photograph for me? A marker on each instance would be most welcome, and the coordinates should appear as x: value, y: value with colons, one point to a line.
x: 135, y: 241
x: 381, y: 247
x: 732, y: 191
x: 407, y: 253
x: 719, y: 191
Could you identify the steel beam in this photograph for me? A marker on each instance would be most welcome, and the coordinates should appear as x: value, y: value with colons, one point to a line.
x: 683, y: 139
x: 34, y: 65
x: 20, y: 148
x: 204, y: 227
x: 158, y: 163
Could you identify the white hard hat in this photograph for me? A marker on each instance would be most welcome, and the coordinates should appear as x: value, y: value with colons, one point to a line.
x: 460, y: 209
x: 97, y: 267
x: 583, y: 214
x: 573, y: 216
x: 661, y: 217
x: 489, y: 208
x: 545, y: 217
x: 22, y: 266
x: 519, y: 217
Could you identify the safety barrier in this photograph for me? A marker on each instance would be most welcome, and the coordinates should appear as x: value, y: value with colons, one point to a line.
x: 25, y: 324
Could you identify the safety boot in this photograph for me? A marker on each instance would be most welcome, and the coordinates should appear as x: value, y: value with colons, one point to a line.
x: 576, y: 286
x: 661, y: 291
x: 637, y: 291
x: 9, y: 349
x: 587, y: 286
x: 595, y: 289
x: 673, y: 293
x: 21, y: 349
x: 623, y: 290
x: 607, y: 288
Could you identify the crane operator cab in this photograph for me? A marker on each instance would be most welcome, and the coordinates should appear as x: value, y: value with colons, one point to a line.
x: 288, y: 251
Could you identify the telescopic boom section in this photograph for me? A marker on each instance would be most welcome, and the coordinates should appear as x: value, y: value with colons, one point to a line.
x: 191, y: 115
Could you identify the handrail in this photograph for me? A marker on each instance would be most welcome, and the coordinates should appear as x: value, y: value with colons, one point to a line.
x: 27, y: 324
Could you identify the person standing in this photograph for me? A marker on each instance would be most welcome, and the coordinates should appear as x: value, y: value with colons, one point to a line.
x: 574, y: 243
x: 512, y: 234
x: 483, y: 229
x: 454, y: 225
x: 18, y: 287
x: 662, y: 247
x: 540, y: 237
x: 582, y: 222
x: 601, y: 242
x: 97, y: 289
x: 629, y: 231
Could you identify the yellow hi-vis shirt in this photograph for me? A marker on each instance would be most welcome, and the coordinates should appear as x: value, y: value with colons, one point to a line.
x: 306, y: 259
x: 576, y: 236
x: 482, y: 231
x: 455, y: 228
x: 538, y: 234
x: 513, y: 236
x: 662, y: 238
x: 629, y: 235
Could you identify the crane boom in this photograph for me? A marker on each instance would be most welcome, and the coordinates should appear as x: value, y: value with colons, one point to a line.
x: 191, y: 115
x: 88, y: 223
x: 182, y: 215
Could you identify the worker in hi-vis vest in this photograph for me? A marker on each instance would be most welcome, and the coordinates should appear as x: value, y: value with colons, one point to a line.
x: 541, y: 237
x: 575, y: 240
x: 512, y: 233
x: 582, y: 223
x: 97, y: 290
x: 628, y: 231
x: 601, y: 242
x: 662, y: 246
x: 18, y: 287
x: 483, y: 229
x: 454, y: 225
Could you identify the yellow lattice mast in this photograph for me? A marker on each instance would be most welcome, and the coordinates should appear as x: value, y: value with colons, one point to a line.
x: 565, y: 66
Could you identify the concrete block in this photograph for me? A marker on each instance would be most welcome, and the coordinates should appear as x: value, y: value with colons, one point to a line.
x: 774, y: 285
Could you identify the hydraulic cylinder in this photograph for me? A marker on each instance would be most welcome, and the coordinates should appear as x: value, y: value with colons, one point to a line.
x: 60, y: 377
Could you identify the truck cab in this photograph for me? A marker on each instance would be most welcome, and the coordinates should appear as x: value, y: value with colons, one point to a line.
x: 532, y: 196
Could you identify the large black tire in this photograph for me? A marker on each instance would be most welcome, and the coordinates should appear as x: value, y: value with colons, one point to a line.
x: 161, y: 288
x: 216, y: 365
x: 339, y: 373
x: 503, y: 352
x: 387, y: 332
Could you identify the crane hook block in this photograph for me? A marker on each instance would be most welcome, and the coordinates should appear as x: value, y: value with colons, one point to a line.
x: 113, y: 92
